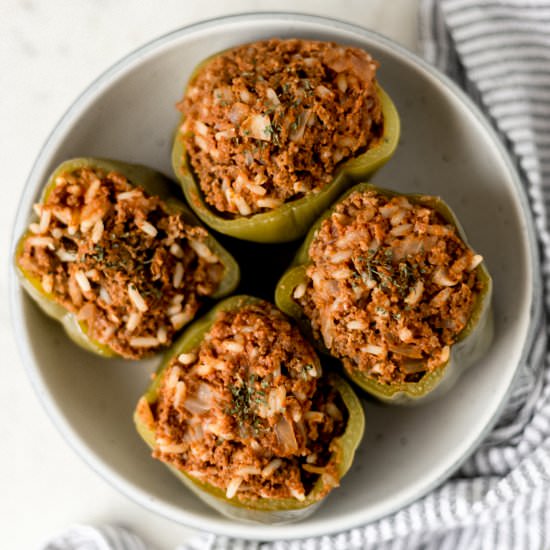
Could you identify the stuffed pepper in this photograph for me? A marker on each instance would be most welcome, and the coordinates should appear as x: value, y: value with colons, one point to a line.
x: 273, y: 132
x: 120, y: 262
x: 240, y: 412
x: 387, y: 284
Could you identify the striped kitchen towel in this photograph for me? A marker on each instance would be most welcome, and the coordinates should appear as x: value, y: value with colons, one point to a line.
x: 87, y: 537
x: 499, y: 52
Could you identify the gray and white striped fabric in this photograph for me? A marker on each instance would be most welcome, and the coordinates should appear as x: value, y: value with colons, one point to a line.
x: 499, y: 52
x: 87, y: 537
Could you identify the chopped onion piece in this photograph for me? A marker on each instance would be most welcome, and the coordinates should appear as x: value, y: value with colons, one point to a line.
x: 257, y: 126
x: 285, y: 435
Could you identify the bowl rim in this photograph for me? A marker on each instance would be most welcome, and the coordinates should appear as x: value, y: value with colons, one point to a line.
x: 223, y: 526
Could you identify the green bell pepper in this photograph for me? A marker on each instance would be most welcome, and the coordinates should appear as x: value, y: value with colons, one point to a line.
x: 263, y: 510
x: 471, y: 344
x: 153, y: 183
x: 291, y: 220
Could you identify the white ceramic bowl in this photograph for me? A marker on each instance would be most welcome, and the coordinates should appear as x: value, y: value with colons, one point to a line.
x: 447, y: 148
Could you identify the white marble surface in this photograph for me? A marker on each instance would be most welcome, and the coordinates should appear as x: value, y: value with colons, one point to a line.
x: 49, y: 52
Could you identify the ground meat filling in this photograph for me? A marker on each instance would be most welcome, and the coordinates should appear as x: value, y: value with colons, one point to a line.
x: 268, y: 122
x: 246, y: 411
x: 133, y: 273
x: 390, y: 287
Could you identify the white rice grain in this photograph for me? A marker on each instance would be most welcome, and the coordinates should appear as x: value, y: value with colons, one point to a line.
x: 341, y: 274
x: 177, y: 278
x: 133, y: 321
x: 271, y: 467
x: 204, y: 369
x: 356, y: 324
x: 173, y: 378
x: 127, y: 195
x: 312, y: 371
x: 300, y: 187
x: 87, y: 223
x: 445, y: 354
x: 257, y: 189
x: 41, y: 242
x: 176, y: 250
x: 63, y: 215
x: 177, y: 299
x: 92, y: 190
x: 341, y: 256
x: 104, y: 295
x: 203, y: 251
x: 334, y: 411
x: 312, y: 458
x: 201, y: 128
x: 180, y: 319
x: 66, y: 256
x: 108, y: 332
x: 144, y: 342
x: 173, y: 448
x: 147, y: 228
x: 201, y: 143
x: 476, y: 260
x: 242, y: 206
x: 136, y: 298
x: 269, y: 203
x: 162, y: 335
x: 82, y: 281
x: 342, y: 82
x: 180, y: 393
x: 233, y: 487
x: 97, y: 231
x: 298, y: 495
x: 172, y: 310
x: 45, y: 219
x: 47, y: 283
x: 233, y: 347
x: 299, y: 291
x: 187, y: 358
x: 248, y: 471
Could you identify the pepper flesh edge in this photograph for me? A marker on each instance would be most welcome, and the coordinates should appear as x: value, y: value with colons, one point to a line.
x: 262, y: 510
x: 154, y: 183
x: 472, y: 342
x: 291, y: 220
